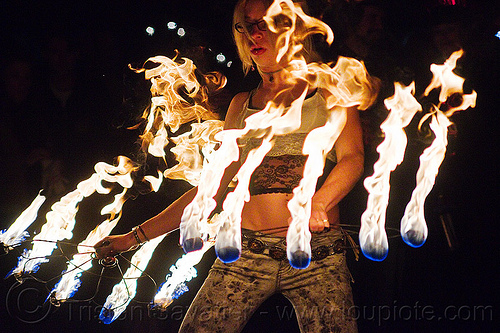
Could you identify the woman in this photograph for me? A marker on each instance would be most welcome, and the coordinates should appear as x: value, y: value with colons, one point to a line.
x: 321, y: 293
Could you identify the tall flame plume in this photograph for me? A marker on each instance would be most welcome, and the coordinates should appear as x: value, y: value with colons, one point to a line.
x: 403, y: 106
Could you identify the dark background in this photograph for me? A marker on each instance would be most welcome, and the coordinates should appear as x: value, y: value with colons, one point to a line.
x: 456, y: 280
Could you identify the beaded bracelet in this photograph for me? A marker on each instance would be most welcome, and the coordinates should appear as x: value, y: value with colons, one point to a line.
x: 136, y: 236
x: 143, y: 233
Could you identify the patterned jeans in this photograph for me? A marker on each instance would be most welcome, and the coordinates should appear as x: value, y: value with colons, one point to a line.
x: 320, y: 294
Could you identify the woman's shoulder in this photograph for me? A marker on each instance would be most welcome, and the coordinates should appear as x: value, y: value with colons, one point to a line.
x: 240, y: 98
x: 235, y: 108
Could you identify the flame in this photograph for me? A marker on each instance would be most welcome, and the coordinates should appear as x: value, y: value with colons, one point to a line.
x: 82, y: 261
x: 403, y: 107
x: 271, y: 121
x: 17, y: 231
x: 317, y: 144
x: 181, y: 272
x: 444, y: 78
x: 125, y: 290
x: 342, y: 88
x: 174, y: 88
x: 187, y: 151
x: 177, y: 98
x: 228, y: 246
x: 155, y: 182
x: 61, y: 218
x: 282, y: 18
x: 373, y: 240
x: 449, y: 84
x: 196, y: 213
x: 345, y: 85
x: 206, y: 151
x: 265, y: 123
x: 413, y: 225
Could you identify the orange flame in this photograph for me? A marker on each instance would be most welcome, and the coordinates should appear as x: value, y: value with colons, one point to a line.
x: 174, y: 88
x: 413, y: 225
x: 178, y: 98
x: 187, y: 151
x: 282, y: 18
x: 228, y: 246
x: 317, y: 144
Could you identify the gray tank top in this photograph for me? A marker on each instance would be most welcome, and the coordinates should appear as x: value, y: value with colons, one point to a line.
x: 314, y: 114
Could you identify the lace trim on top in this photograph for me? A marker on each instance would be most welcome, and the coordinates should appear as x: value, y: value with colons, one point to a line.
x: 290, y: 144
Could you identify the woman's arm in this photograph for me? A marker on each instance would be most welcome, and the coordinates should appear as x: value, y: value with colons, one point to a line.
x: 169, y: 219
x: 345, y: 174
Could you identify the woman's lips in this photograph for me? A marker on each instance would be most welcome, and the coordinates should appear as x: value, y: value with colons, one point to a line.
x: 257, y: 50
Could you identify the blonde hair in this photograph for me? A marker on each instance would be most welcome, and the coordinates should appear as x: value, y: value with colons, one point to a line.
x: 241, y: 39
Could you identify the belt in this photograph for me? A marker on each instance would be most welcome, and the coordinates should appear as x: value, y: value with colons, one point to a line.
x: 277, y: 250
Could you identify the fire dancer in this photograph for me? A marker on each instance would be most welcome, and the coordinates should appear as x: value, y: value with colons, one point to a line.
x: 321, y: 293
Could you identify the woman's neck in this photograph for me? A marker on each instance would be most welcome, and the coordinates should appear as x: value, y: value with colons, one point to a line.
x: 270, y: 76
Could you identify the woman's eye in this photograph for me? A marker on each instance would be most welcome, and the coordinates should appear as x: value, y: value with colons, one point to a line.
x: 262, y: 25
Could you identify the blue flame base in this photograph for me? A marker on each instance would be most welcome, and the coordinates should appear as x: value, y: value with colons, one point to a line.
x: 106, y: 315
x: 299, y: 259
x: 414, y: 238
x: 375, y: 253
x: 228, y: 254
x: 192, y: 244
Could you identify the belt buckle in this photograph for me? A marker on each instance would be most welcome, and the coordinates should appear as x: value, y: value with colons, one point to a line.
x: 256, y: 246
x: 323, y: 251
x: 277, y: 253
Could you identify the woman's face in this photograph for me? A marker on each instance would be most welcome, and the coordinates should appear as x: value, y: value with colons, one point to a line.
x: 261, y: 45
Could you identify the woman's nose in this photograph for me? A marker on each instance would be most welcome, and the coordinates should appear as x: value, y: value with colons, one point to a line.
x: 255, y: 32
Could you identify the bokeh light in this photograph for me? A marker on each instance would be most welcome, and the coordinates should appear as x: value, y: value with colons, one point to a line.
x: 150, y: 31
x: 171, y: 25
x: 220, y: 58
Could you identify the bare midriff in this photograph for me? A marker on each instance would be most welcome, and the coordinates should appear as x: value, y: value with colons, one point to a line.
x: 269, y: 211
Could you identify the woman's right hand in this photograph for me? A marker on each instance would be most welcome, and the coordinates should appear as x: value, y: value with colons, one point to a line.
x: 110, y: 246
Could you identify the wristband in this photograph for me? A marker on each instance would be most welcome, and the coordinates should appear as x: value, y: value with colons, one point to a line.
x: 136, y: 236
x: 143, y: 233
